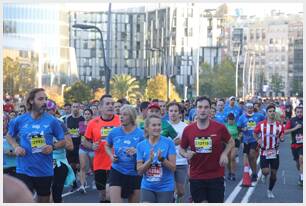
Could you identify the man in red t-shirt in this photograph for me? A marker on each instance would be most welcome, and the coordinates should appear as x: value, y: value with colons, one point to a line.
x: 207, y: 155
x: 96, y: 132
x: 268, y: 133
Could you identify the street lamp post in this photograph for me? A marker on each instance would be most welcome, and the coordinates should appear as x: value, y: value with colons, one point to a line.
x: 107, y: 70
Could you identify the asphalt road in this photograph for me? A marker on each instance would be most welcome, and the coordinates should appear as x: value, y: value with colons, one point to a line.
x: 286, y: 189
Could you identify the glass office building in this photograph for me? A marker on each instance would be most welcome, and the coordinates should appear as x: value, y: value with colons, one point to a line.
x: 48, y: 25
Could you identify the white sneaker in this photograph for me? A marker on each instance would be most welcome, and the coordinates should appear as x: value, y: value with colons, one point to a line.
x: 270, y: 194
x: 82, y: 189
x: 93, y: 185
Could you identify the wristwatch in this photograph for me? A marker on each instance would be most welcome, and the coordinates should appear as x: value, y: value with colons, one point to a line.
x: 162, y: 159
x: 53, y: 147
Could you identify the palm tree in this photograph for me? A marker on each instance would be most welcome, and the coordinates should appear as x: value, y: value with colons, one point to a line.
x: 125, y: 86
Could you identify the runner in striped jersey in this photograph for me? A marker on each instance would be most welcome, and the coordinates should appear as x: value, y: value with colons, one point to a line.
x: 268, y: 133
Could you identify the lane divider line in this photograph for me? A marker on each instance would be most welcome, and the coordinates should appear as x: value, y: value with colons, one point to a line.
x: 70, y: 193
x: 237, y: 189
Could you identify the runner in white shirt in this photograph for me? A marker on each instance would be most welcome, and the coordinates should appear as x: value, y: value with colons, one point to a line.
x: 180, y: 174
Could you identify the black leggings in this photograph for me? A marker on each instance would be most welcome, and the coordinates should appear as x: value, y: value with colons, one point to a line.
x: 60, y: 174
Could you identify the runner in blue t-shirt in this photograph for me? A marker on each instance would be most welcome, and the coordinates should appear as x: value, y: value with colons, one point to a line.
x: 220, y: 116
x: 124, y: 180
x: 156, y: 161
x: 247, y: 123
x: 232, y: 107
x: 36, y: 130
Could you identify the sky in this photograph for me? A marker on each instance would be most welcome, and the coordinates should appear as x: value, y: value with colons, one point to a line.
x: 249, y: 9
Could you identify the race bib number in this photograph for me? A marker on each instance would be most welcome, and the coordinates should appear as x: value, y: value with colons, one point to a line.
x: 74, y: 133
x: 270, y: 154
x: 37, y: 142
x: 251, y: 125
x: 154, y: 173
x: 299, y: 138
x: 203, y: 145
x: 105, y: 131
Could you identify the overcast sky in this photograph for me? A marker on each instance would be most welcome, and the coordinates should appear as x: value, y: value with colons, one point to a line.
x: 249, y: 9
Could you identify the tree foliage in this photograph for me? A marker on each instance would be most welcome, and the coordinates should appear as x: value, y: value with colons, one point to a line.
x: 125, y: 86
x: 18, y: 78
x: 218, y: 81
x: 157, y: 89
x: 95, y: 84
x: 277, y: 83
x: 54, y: 93
x: 78, y: 92
x: 98, y: 93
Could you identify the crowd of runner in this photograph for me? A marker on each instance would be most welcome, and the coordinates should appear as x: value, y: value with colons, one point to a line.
x: 147, y: 152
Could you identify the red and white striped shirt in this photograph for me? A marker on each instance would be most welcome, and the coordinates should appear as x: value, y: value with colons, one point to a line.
x: 270, y: 134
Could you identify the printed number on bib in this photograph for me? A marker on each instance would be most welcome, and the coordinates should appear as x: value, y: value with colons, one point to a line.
x: 270, y: 154
x: 37, y: 142
x: 105, y: 131
x: 299, y: 138
x: 203, y: 145
x: 154, y: 173
x: 74, y: 133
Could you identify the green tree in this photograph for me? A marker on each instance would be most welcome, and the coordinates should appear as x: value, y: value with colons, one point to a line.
x: 18, y: 78
x: 277, y: 83
x: 218, y: 81
x: 78, y: 92
x: 157, y: 89
x: 125, y: 86
x: 297, y: 87
x: 95, y: 84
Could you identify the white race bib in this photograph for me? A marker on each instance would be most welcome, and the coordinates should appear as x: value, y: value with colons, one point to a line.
x: 270, y: 154
x: 154, y: 173
x: 203, y: 145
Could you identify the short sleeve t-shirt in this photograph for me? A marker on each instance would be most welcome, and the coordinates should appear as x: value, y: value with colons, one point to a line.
x: 97, y: 130
x: 34, y: 134
x: 121, y: 141
x: 249, y: 122
x: 157, y: 178
x: 179, y: 128
x: 208, y: 145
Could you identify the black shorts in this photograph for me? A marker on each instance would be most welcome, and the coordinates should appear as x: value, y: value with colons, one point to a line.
x: 296, y: 153
x: 10, y: 171
x: 41, y: 185
x: 248, y: 146
x: 211, y: 190
x: 73, y: 156
x: 237, y: 143
x: 127, y: 183
x: 101, y: 179
x: 272, y: 163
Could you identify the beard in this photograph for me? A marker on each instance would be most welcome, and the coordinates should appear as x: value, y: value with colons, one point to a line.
x: 38, y: 109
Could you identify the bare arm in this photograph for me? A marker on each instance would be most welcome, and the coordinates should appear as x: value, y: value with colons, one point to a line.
x: 170, y: 162
x: 18, y: 150
x: 68, y: 143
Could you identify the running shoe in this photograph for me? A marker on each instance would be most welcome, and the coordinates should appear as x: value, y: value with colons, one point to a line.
x: 82, y: 189
x: 300, y: 183
x: 270, y: 194
x: 254, y: 177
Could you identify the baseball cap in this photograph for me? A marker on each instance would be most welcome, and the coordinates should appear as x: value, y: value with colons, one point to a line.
x: 232, y: 97
x: 154, y: 105
x: 51, y: 105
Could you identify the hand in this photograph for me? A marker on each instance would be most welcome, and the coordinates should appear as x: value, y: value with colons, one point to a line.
x: 223, y: 160
x: 259, y: 141
x: 190, y: 154
x: 282, y: 137
x: 131, y: 151
x: 19, y: 151
x: 47, y: 149
x: 151, y: 155
x: 114, y: 158
x: 95, y: 145
x: 177, y: 141
x: 298, y: 126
